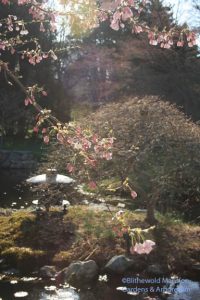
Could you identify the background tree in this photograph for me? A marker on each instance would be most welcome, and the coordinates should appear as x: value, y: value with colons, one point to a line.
x: 16, y: 119
x: 155, y: 146
x: 117, y: 63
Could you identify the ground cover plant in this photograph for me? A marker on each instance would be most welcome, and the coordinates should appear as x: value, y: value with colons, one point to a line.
x: 87, y: 234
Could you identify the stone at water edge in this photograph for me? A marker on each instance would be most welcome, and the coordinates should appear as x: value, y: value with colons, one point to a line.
x: 20, y: 294
x: 119, y: 264
x: 196, y: 267
x: 47, y: 271
x: 157, y: 270
x: 11, y: 271
x: 87, y: 295
x: 81, y: 274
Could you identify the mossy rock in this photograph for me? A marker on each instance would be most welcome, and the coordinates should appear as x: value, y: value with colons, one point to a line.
x: 24, y: 259
x: 63, y: 258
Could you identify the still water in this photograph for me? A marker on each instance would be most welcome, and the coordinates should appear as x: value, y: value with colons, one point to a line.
x: 13, y: 194
x: 30, y: 290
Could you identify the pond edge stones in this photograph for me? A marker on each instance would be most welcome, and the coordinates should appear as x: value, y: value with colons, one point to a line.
x: 47, y: 271
x: 81, y: 274
x: 119, y: 264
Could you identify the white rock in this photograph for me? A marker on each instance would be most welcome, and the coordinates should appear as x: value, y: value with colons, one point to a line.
x: 121, y: 205
x: 50, y: 288
x: 13, y: 281
x: 65, y: 202
x: 35, y: 202
x: 20, y: 294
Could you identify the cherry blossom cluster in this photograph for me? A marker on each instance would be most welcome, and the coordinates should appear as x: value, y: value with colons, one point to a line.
x: 19, y: 2
x: 143, y: 248
x: 123, y: 13
x: 12, y: 23
x: 39, y: 12
x: 12, y: 43
x: 168, y: 39
x: 87, y: 149
x: 36, y: 56
x: 87, y: 144
x: 31, y: 94
x: 138, y: 243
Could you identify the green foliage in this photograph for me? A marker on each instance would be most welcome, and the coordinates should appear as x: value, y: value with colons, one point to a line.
x: 80, y: 110
x: 91, y: 223
x: 157, y: 147
x: 25, y: 259
x: 81, y: 16
x: 24, y: 237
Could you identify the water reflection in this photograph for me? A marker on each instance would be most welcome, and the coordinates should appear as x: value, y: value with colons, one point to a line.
x: 60, y: 294
x: 185, y: 290
x: 20, y: 294
x: 12, y: 193
x: 35, y: 290
x: 173, y: 288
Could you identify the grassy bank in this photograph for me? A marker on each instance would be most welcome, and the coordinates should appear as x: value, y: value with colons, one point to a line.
x: 28, y: 241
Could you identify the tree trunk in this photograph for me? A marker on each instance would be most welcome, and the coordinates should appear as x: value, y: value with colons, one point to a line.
x: 150, y: 218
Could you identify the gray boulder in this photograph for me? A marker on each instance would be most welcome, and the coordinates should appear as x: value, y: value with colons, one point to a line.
x: 81, y: 274
x: 47, y: 271
x: 119, y: 264
x: 87, y: 295
x: 157, y: 270
x: 11, y: 271
x: 196, y: 267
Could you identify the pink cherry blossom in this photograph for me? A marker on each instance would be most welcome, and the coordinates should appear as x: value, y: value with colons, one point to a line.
x: 103, y: 16
x: 12, y: 50
x: 95, y: 138
x: 191, y: 44
x: 115, y: 25
x: 126, y: 13
x: 44, y: 130
x: 44, y: 93
x: 36, y: 129
x: 133, y: 194
x: 70, y: 168
x: 42, y: 29
x: 92, y: 185
x: 131, y: 2
x: 28, y: 101
x: 22, y: 2
x: 46, y: 139
x: 90, y: 162
x: 60, y: 137
x: 5, y: 1
x: 143, y: 248
x: 180, y: 43
x: 137, y: 29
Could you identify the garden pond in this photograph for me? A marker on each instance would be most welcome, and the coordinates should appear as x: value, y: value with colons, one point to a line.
x: 14, y: 195
x: 31, y: 288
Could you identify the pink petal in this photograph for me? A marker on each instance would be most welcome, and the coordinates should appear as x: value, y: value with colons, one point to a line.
x: 46, y: 139
x: 92, y: 185
x: 133, y: 194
